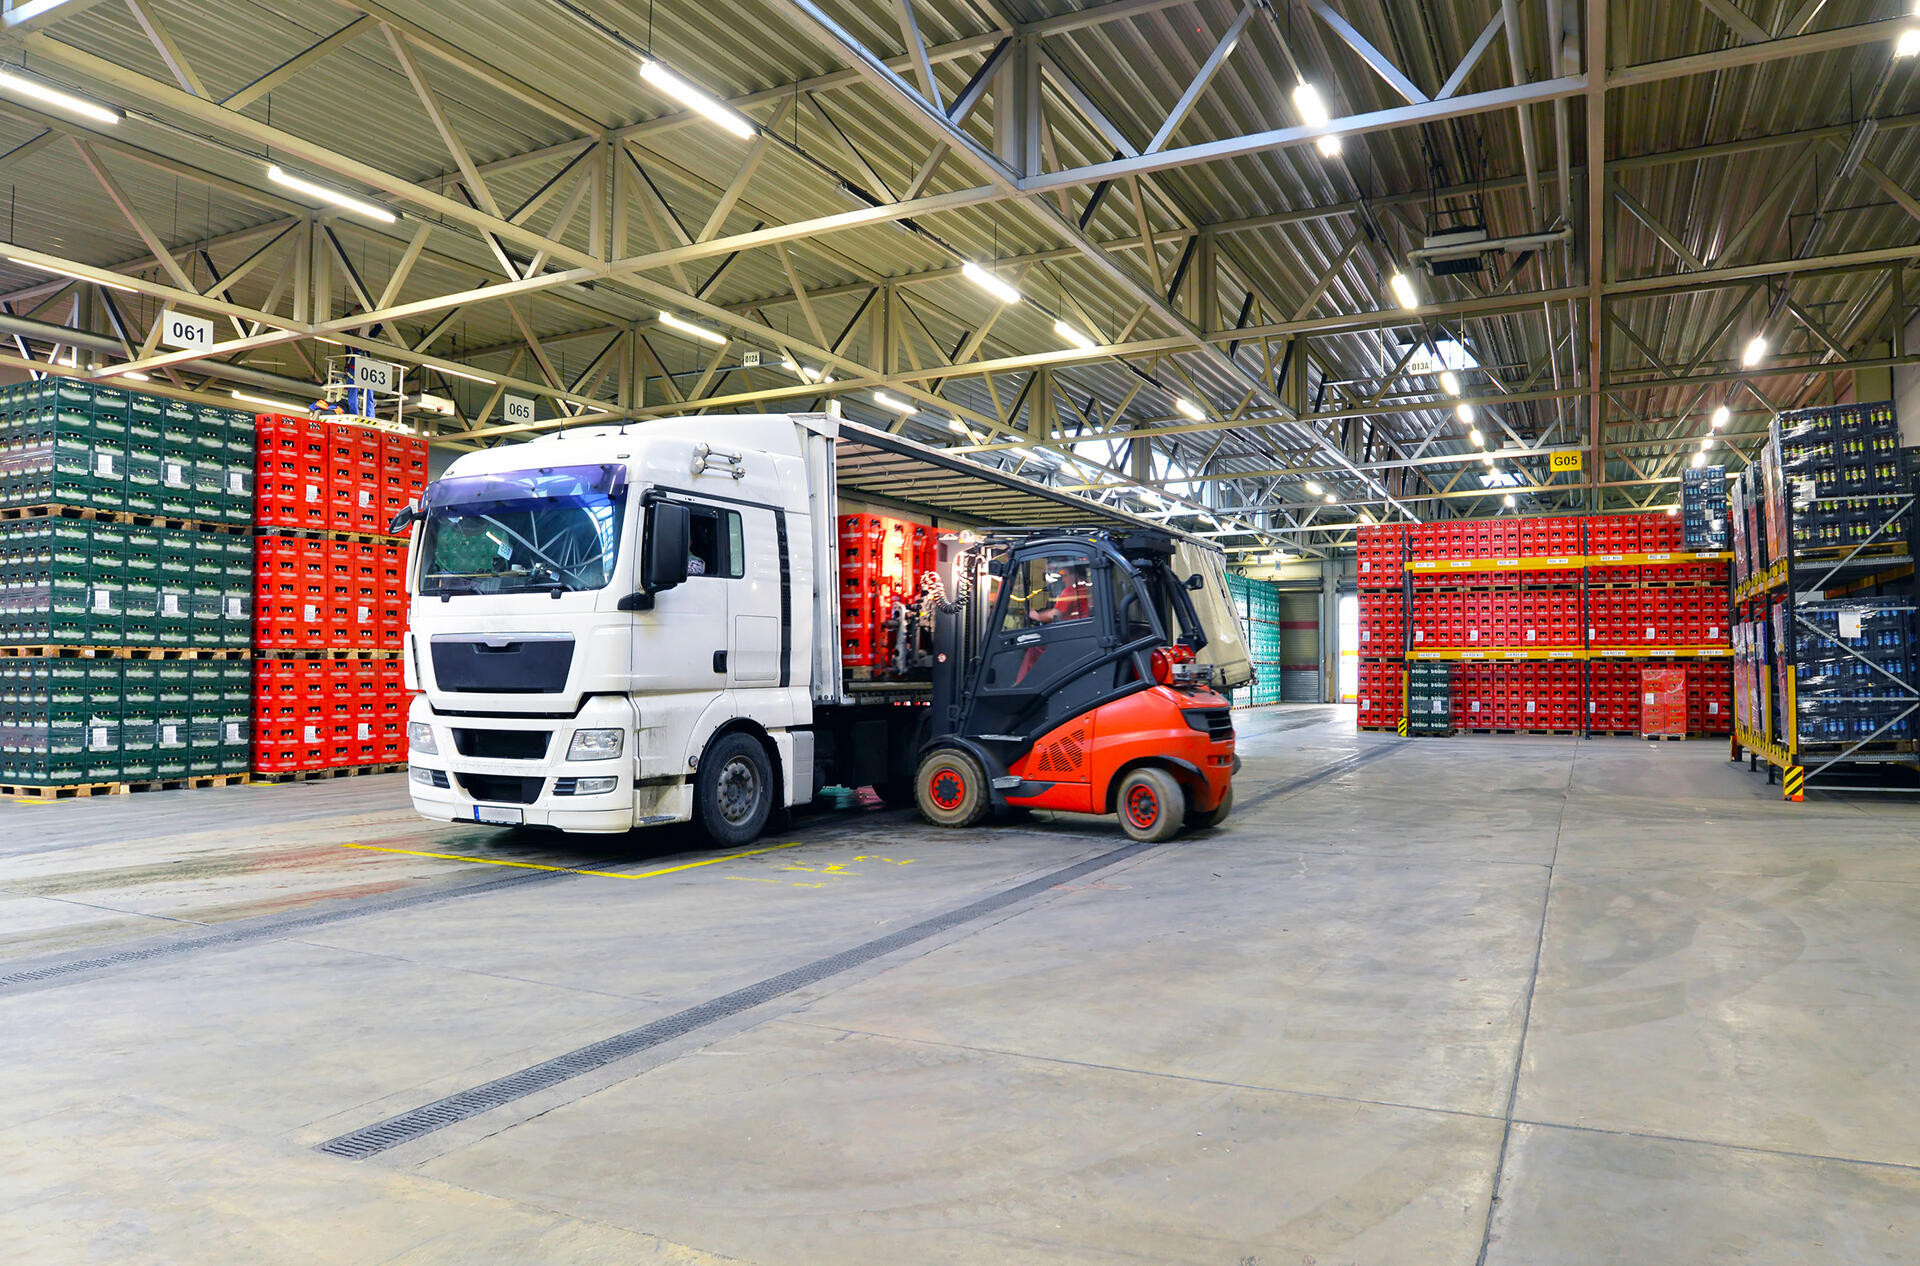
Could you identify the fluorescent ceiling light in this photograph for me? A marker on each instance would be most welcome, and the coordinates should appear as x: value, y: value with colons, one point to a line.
x: 1403, y: 291
x: 137, y: 376
x: 898, y: 405
x: 989, y: 283
x: 1672, y: 510
x: 1720, y: 417
x: 1479, y: 440
x: 1699, y: 460
x: 697, y: 100
x: 1756, y: 351
x: 1073, y: 336
x: 1332, y: 499
x: 1486, y: 459
x: 359, y: 206
x: 1909, y: 43
x: 1190, y: 409
x: 1450, y: 382
x: 34, y: 90
x: 1365, y: 517
x: 956, y: 426
x: 688, y: 328
x: 1313, y: 113
x: 1464, y: 412
x: 61, y: 272
x: 467, y: 374
x: 270, y: 403
x: 1313, y: 489
x: 1507, y: 501
x: 1706, y: 444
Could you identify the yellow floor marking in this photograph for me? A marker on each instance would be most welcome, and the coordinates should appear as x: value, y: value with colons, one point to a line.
x: 570, y: 870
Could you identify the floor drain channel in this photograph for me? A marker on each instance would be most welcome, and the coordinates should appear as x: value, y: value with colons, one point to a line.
x: 419, y: 1122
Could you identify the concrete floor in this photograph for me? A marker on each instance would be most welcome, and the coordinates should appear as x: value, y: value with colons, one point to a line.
x: 1502, y: 1000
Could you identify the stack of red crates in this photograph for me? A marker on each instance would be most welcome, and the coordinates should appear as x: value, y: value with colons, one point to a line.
x: 881, y: 561
x: 1643, y: 606
x: 329, y: 584
x: 1382, y: 566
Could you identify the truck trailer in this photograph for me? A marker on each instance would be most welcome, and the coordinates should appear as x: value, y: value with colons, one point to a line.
x: 624, y: 626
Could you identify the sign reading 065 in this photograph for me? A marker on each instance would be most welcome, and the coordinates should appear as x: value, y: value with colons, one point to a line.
x: 1566, y: 459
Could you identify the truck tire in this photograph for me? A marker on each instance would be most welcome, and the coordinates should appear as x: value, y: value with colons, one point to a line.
x: 951, y: 788
x: 1212, y: 817
x: 733, y: 793
x: 1151, y: 805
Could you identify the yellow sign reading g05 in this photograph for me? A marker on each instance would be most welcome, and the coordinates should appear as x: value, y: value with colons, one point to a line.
x: 1567, y: 459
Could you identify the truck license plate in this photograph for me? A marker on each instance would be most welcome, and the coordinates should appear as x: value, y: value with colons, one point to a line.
x: 498, y: 816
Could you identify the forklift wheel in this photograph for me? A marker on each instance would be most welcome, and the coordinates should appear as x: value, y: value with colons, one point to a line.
x: 1151, y: 805
x: 951, y: 788
x: 1214, y: 816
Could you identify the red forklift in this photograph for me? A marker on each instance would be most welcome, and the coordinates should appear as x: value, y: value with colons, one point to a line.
x: 1067, y: 676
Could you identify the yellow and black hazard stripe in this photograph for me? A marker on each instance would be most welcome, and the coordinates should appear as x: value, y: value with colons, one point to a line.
x: 1794, y: 783
x: 1401, y: 728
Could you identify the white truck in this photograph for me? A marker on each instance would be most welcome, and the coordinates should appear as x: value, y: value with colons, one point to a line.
x: 623, y: 626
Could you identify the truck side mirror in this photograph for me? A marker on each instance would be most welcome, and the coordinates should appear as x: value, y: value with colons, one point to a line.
x: 663, y: 561
x: 1195, y: 583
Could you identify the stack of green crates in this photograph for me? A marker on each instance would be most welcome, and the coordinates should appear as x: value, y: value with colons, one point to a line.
x: 77, y: 585
x: 1257, y: 603
x: 78, y: 720
x: 1429, y: 699
x: 69, y: 582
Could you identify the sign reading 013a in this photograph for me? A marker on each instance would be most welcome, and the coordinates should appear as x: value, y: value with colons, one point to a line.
x: 1566, y: 459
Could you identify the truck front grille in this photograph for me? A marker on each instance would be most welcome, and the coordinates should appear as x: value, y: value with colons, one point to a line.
x: 502, y: 744
x: 501, y: 788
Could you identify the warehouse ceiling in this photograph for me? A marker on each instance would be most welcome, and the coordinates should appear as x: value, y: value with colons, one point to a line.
x: 1183, y: 298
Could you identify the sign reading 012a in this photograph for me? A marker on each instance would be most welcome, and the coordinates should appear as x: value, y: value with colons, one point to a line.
x: 1566, y: 459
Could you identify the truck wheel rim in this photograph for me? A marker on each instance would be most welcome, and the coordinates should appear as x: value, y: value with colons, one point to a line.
x: 1143, y: 807
x: 739, y: 790
x: 948, y: 789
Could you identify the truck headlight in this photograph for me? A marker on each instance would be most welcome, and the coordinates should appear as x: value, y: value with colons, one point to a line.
x: 420, y: 738
x: 594, y: 745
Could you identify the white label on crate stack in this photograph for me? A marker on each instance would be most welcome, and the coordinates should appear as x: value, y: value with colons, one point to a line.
x: 366, y: 731
x: 1529, y: 707
x: 169, y: 604
x: 1474, y: 706
x: 169, y: 734
x: 366, y: 498
x: 1713, y: 632
x: 176, y: 475
x: 103, y: 464
x: 99, y: 738
x: 1713, y: 709
x: 1419, y: 636
x: 233, y: 608
x: 1473, y: 635
x: 233, y: 731
x: 236, y: 481
x: 1439, y: 705
x: 1366, y: 635
x: 313, y: 734
x: 313, y: 613
x: 1651, y: 634
x: 313, y: 492
x: 103, y: 599
x: 1530, y: 635
x: 1648, y: 702
x: 366, y: 614
x: 1849, y: 624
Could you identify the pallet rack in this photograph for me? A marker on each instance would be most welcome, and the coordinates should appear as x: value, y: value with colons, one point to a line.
x: 1583, y: 558
x: 1786, y: 582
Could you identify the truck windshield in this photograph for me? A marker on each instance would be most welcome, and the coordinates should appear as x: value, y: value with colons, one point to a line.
x: 517, y: 531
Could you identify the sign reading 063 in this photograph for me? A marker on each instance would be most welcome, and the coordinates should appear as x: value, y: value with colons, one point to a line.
x: 1566, y: 459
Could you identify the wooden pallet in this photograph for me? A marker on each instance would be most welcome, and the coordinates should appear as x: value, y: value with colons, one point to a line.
x: 87, y: 790
x: 1479, y: 729
x: 124, y: 652
x: 97, y: 514
x: 1665, y: 738
x: 353, y: 652
x: 327, y: 534
x: 322, y: 775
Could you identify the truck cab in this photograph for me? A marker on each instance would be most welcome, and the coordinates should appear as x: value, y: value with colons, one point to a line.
x: 556, y: 688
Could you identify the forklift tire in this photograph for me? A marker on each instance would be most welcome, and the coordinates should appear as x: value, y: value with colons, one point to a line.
x: 1151, y: 804
x: 1213, y: 817
x: 733, y: 793
x: 951, y: 788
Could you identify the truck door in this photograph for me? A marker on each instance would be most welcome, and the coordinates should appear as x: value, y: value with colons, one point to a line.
x: 730, y: 556
x: 1046, y: 632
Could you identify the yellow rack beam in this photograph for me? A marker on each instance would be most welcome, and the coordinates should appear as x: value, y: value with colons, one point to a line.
x: 1576, y: 653
x: 1562, y: 562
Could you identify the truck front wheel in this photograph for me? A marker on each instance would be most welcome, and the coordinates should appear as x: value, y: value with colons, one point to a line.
x: 733, y: 793
x: 951, y: 788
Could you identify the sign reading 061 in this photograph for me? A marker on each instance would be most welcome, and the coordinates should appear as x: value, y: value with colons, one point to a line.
x: 1566, y: 459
